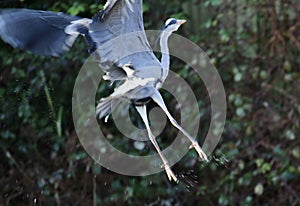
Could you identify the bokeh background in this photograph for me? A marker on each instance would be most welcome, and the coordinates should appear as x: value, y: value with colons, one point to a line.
x: 255, y: 46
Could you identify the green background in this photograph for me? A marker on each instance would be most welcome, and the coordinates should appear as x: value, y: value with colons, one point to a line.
x: 255, y: 46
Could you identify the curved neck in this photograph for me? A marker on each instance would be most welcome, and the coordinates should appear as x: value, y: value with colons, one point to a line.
x: 165, y: 59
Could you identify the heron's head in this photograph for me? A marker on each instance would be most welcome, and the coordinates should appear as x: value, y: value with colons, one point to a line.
x: 173, y: 24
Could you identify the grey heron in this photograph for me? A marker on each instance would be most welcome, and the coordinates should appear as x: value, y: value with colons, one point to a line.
x: 141, y: 73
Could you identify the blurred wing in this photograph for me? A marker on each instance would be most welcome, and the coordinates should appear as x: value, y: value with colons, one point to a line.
x: 41, y: 32
x: 121, y: 40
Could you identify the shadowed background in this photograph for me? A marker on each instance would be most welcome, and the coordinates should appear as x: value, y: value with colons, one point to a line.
x: 255, y: 47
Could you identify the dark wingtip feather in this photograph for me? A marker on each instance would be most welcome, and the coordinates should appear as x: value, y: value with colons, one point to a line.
x: 40, y: 32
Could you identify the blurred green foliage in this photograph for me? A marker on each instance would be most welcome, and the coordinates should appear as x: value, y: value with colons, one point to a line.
x: 256, y: 47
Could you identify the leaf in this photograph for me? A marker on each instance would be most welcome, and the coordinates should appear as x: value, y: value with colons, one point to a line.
x: 259, y: 189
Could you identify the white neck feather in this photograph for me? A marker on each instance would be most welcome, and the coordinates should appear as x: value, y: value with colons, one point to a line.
x: 165, y: 59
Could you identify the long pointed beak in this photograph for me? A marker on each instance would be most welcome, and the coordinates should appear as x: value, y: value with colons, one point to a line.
x: 180, y: 22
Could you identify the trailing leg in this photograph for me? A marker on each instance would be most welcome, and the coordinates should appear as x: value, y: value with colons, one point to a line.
x: 142, y: 111
x: 159, y: 100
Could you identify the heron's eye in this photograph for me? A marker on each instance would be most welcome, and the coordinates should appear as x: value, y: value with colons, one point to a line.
x: 170, y: 22
x: 173, y: 21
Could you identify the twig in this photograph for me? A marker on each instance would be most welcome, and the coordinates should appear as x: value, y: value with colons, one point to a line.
x: 94, y: 190
x: 291, y: 191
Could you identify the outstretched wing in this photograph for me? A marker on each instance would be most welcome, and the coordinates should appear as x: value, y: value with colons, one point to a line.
x: 121, y: 40
x: 41, y: 32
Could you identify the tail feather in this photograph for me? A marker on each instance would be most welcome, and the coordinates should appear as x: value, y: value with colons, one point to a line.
x: 106, y: 106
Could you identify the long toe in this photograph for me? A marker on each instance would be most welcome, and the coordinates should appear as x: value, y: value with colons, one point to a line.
x: 200, y: 152
x: 170, y: 174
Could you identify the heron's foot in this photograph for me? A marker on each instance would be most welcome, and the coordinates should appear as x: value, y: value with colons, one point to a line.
x: 170, y: 174
x: 200, y: 152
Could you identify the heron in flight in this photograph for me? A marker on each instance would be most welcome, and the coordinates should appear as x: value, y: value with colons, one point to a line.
x: 141, y: 74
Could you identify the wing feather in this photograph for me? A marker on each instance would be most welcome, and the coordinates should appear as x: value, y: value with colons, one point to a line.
x: 121, y: 38
x: 41, y: 32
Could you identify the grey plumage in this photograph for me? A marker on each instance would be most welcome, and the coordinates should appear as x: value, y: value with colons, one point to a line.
x: 40, y: 32
x: 117, y: 36
x: 123, y: 30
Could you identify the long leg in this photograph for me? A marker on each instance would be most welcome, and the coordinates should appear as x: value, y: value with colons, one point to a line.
x: 142, y: 111
x: 159, y: 100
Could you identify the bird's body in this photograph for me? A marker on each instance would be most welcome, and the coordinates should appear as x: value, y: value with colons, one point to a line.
x: 112, y: 34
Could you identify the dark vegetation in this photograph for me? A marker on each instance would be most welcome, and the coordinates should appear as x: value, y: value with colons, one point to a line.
x: 255, y: 45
